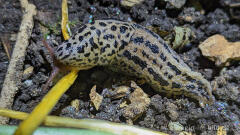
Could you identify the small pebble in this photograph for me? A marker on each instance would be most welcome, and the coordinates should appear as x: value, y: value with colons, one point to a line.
x: 175, y: 126
x: 218, y: 49
x: 75, y: 104
x: 175, y: 3
x: 28, y: 83
x: 130, y: 3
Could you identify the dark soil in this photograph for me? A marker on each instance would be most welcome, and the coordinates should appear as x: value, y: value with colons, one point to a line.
x: 161, y: 15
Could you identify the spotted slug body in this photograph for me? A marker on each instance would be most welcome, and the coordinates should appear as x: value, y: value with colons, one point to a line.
x: 131, y: 48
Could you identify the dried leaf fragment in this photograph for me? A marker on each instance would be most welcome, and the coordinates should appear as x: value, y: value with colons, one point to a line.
x: 75, y: 104
x: 175, y: 126
x: 182, y: 37
x: 218, y: 49
x: 120, y: 92
x: 221, y: 131
x: 139, y: 101
x: 28, y: 72
x: 6, y: 45
x: 96, y: 99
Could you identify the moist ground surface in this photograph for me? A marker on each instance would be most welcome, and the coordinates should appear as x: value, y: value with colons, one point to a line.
x: 204, y: 18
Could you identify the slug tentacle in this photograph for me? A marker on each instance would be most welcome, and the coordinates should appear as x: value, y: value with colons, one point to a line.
x: 53, y: 74
x: 55, y: 70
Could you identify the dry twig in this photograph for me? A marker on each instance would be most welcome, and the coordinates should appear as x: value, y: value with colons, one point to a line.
x: 13, y: 76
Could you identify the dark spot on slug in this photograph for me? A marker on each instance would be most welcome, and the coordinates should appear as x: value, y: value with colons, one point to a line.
x: 166, y: 47
x: 191, y: 86
x: 74, y: 58
x: 199, y: 83
x: 86, y: 44
x: 95, y: 60
x: 110, y: 54
x: 160, y: 66
x: 137, y: 26
x: 154, y: 61
x: 154, y: 48
x: 140, y: 62
x: 170, y: 76
x: 145, y: 54
x: 115, y: 44
x: 158, y: 77
x: 92, y: 43
x: 152, y: 33
x: 138, y: 40
x: 92, y: 27
x: 59, y: 49
x: 113, y: 28
x: 60, y: 54
x: 127, y: 35
x: 78, y: 59
x: 176, y: 58
x: 82, y: 28
x: 174, y: 68
x: 189, y: 78
x: 66, y: 56
x: 132, y: 69
x: 103, y: 60
x: 80, y: 38
x: 166, y: 73
x: 135, y: 50
x: 88, y: 33
x: 80, y: 49
x: 123, y: 44
x: 102, y: 24
x: 87, y: 54
x: 108, y: 36
x: 163, y: 57
x: 98, y: 32
x: 68, y: 46
x: 176, y: 85
x: 102, y: 50
x: 135, y: 59
x: 126, y: 24
x: 123, y: 29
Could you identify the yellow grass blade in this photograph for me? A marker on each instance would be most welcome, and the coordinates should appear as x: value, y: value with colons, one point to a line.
x: 37, y: 116
x: 91, y: 124
x: 64, y: 24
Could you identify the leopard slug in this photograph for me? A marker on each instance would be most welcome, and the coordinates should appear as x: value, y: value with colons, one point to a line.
x: 131, y: 48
